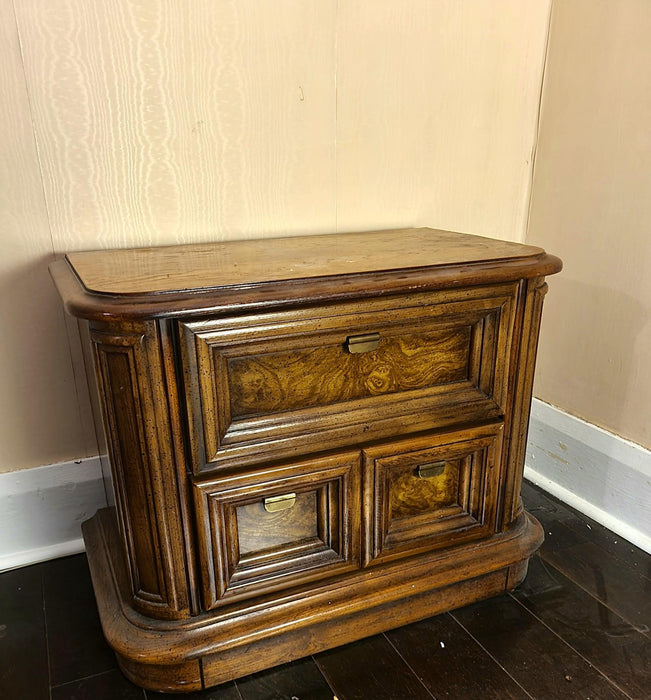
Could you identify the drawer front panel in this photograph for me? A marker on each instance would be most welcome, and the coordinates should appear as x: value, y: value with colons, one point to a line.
x: 406, y: 358
x: 275, y: 385
x: 431, y: 492
x: 260, y: 527
x: 278, y: 527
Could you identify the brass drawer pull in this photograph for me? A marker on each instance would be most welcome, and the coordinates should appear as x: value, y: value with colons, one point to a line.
x: 429, y: 471
x: 362, y: 343
x: 276, y: 503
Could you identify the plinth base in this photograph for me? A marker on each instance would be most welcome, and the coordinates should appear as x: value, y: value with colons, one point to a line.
x: 240, y: 639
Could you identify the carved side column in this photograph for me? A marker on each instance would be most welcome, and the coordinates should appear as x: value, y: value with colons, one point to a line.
x: 134, y: 395
x: 525, y: 346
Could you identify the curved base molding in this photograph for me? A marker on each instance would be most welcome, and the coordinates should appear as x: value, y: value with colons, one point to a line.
x: 211, y: 648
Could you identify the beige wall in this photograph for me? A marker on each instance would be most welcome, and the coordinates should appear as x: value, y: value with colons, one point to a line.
x: 591, y: 205
x: 143, y: 123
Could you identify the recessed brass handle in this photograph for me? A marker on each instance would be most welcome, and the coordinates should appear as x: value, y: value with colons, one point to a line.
x: 429, y: 471
x: 276, y: 503
x: 362, y: 343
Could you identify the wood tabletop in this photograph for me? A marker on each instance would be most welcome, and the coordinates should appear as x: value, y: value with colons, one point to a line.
x: 248, y: 262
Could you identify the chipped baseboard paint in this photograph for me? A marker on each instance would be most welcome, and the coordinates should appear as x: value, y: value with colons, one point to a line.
x: 41, y: 510
x: 600, y: 474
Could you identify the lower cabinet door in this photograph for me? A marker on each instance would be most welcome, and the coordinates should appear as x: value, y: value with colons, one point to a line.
x: 430, y: 492
x: 278, y: 527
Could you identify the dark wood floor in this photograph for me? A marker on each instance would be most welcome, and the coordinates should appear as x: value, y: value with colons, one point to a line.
x: 577, y: 628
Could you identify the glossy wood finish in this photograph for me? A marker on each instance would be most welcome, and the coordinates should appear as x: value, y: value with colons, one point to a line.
x: 494, y: 623
x: 196, y: 267
x: 616, y: 647
x: 452, y: 664
x: 408, y: 514
x: 24, y: 670
x: 245, y: 550
x: 325, y: 374
x: 400, y: 465
x: 442, y: 358
x: 131, y: 377
x: 493, y: 265
x: 438, y: 654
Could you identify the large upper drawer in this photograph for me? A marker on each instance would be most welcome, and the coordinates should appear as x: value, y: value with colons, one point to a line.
x: 278, y: 384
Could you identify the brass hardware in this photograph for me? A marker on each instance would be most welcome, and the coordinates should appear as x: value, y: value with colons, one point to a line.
x: 362, y: 343
x: 428, y: 471
x: 276, y: 503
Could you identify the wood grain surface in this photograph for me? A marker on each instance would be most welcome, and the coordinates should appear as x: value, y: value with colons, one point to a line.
x: 176, y: 268
x: 438, y: 651
x: 327, y: 374
x: 258, y: 529
x: 446, y: 362
x: 408, y: 514
x: 245, y: 551
x: 410, y: 495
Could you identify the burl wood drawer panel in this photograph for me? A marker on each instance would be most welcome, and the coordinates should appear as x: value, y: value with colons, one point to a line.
x: 278, y: 527
x: 426, y: 493
x: 277, y: 384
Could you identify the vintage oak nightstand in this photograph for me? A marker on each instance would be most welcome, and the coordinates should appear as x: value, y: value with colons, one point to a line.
x: 312, y: 440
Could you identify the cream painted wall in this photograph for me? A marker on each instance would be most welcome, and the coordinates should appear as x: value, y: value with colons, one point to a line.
x: 591, y: 205
x: 135, y: 123
x: 40, y: 405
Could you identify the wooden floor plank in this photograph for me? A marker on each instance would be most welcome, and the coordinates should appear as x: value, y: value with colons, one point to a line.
x: 368, y: 669
x: 544, y: 665
x: 225, y: 691
x: 75, y: 640
x: 604, y: 577
x: 451, y: 664
x: 111, y: 685
x: 299, y: 679
x: 23, y: 650
x: 550, y: 511
x: 603, y: 638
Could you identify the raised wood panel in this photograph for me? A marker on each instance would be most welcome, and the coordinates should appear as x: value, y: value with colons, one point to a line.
x: 259, y: 529
x: 297, y: 624
x: 431, y: 492
x: 409, y: 495
x: 326, y: 374
x: 130, y: 377
x: 117, y: 368
x: 437, y: 107
x: 255, y: 383
x: 525, y: 348
x: 180, y: 122
x: 246, y: 550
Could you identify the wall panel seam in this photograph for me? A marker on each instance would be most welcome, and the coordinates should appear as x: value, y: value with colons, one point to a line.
x: 536, y: 136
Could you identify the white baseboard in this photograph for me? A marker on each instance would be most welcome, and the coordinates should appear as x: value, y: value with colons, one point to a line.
x: 41, y: 510
x: 600, y: 474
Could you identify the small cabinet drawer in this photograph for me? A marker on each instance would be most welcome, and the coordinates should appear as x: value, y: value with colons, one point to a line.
x: 430, y: 492
x: 279, y: 384
x: 278, y: 527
